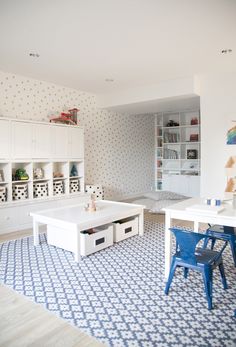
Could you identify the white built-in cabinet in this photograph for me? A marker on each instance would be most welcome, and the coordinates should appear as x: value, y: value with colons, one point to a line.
x: 55, y: 148
x: 41, y: 141
x: 76, y: 143
x: 178, y: 150
x: 30, y: 140
x: 21, y: 140
x: 60, y: 142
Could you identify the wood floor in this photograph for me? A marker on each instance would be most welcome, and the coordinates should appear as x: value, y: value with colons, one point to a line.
x: 26, y: 324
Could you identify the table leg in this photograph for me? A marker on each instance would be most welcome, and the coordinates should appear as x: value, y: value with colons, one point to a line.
x: 77, y: 251
x: 140, y: 224
x: 36, y: 232
x: 168, y: 244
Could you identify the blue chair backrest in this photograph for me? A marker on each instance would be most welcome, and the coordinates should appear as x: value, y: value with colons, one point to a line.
x: 187, y: 242
x: 229, y: 230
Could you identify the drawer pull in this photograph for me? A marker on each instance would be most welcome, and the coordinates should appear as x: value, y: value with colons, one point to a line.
x: 99, y: 241
x: 128, y: 230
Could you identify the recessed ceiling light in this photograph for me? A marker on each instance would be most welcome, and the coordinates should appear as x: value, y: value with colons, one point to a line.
x: 109, y: 80
x: 226, y: 51
x: 34, y: 55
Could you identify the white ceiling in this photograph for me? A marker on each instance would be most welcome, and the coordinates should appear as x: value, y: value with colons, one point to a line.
x: 135, y: 42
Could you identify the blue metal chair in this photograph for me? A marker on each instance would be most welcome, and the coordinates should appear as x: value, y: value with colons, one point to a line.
x: 223, y: 233
x: 199, y: 259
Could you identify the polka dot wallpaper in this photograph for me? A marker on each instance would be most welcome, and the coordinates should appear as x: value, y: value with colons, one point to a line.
x: 119, y: 149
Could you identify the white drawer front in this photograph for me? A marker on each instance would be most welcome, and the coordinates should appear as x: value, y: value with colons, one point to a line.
x: 95, y: 242
x: 125, y: 228
x: 8, y: 218
x: 24, y: 212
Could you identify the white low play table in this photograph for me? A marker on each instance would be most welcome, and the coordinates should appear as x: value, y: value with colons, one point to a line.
x: 71, y: 220
x: 226, y: 217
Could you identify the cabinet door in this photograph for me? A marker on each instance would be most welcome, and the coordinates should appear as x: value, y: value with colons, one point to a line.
x: 5, y: 139
x: 194, y: 186
x: 166, y: 182
x: 22, y: 140
x: 42, y: 141
x: 177, y: 184
x: 59, y: 141
x: 76, y: 142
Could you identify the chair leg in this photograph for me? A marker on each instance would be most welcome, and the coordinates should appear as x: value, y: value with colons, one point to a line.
x: 222, y: 274
x: 205, y: 243
x: 213, y: 241
x: 207, y: 278
x: 233, y: 250
x: 186, y: 272
x: 171, y: 275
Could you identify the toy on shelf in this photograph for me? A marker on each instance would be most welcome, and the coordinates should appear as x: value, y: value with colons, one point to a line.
x: 73, y: 171
x: 1, y: 176
x: 20, y: 175
x: 57, y: 175
x: 67, y: 118
x: 38, y: 173
x: 194, y: 121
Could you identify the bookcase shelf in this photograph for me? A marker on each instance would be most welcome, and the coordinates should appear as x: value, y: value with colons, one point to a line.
x: 177, y: 148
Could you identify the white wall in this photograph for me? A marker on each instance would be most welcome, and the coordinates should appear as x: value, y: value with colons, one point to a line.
x: 119, y: 149
x: 218, y: 108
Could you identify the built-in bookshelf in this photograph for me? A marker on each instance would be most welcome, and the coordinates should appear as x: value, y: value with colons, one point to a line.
x: 177, y: 146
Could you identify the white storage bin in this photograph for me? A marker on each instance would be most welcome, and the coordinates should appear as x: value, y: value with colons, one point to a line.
x: 20, y: 191
x: 102, y: 238
x: 40, y: 189
x: 58, y: 187
x: 74, y: 185
x: 3, y: 194
x: 125, y: 228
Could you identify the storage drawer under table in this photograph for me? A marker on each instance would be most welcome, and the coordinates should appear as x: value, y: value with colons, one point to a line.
x: 125, y: 228
x: 101, y: 238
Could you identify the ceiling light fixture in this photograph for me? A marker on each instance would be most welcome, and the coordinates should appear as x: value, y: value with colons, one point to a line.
x: 109, y: 80
x: 226, y: 51
x: 34, y: 55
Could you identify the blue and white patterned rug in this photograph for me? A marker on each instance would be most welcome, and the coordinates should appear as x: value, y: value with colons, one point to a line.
x: 116, y: 295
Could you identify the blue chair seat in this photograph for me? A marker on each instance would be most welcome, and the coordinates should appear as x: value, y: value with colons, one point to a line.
x: 224, y: 233
x: 203, y: 257
x: 191, y: 257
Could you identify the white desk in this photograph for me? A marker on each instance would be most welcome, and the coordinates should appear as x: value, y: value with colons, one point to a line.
x: 178, y: 211
x: 71, y: 220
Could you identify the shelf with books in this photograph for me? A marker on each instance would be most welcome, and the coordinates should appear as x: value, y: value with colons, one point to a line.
x: 177, y: 145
